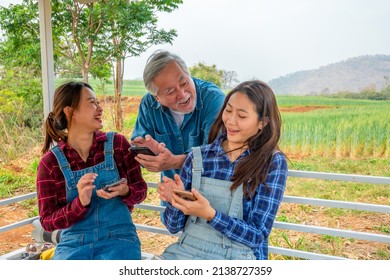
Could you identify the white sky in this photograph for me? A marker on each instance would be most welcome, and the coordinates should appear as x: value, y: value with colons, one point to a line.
x: 267, y: 39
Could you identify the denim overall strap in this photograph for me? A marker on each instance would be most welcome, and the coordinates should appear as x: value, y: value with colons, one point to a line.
x: 236, y: 210
x: 109, y: 151
x: 64, y: 166
x: 107, y: 230
x: 197, y: 170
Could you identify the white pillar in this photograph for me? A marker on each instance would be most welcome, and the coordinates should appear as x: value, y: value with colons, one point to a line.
x: 46, y: 54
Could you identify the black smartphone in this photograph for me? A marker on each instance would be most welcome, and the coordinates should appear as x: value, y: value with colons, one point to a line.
x: 141, y: 150
x: 105, y: 188
x: 185, y: 194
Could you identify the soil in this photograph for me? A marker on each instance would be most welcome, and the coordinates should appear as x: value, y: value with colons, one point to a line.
x: 302, y: 109
x: 156, y: 243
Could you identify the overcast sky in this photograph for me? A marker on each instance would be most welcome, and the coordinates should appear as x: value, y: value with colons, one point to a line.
x: 267, y: 39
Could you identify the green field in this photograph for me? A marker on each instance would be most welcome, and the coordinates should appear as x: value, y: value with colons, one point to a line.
x: 130, y: 87
x: 333, y: 127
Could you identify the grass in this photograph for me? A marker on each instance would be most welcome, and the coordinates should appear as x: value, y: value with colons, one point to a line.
x: 130, y: 87
x: 358, y: 129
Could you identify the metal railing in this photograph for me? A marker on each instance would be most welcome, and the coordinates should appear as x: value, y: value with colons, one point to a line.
x: 382, y: 238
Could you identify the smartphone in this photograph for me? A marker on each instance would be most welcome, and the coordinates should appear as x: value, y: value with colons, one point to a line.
x: 105, y: 188
x: 141, y: 150
x: 185, y: 194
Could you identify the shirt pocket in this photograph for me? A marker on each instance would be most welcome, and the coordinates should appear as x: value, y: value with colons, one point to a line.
x: 163, y: 138
x: 195, y: 140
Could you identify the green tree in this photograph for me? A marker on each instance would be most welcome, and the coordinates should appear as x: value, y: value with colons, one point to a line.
x: 207, y: 73
x: 86, y: 36
x: 133, y: 29
x: 229, y: 79
x: 20, y: 97
x: 20, y: 45
x: 101, y: 73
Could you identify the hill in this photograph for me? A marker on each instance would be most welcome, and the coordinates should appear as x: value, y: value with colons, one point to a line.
x: 352, y: 75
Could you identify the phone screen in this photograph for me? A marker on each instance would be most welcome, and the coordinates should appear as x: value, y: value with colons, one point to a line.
x: 141, y: 150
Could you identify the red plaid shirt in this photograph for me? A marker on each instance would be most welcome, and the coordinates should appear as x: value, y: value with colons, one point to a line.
x: 55, y: 212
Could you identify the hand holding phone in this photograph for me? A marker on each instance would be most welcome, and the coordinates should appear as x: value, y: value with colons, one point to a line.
x: 141, y: 150
x: 185, y: 194
x: 106, y: 187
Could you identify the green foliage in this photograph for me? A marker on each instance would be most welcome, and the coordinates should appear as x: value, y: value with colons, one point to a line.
x: 101, y: 73
x: 20, y: 98
x: 105, y: 31
x: 21, y: 112
x: 369, y: 95
x: 383, y: 254
x: 229, y: 79
x: 12, y: 183
x: 207, y: 73
x: 386, y: 92
x: 384, y: 229
x: 282, y: 239
x: 132, y: 26
x: 130, y: 122
x: 21, y: 45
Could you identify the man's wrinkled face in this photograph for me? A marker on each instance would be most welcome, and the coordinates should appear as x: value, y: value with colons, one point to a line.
x: 176, y: 89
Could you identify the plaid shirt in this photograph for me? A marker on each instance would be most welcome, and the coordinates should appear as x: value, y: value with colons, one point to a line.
x: 258, y: 214
x: 55, y: 212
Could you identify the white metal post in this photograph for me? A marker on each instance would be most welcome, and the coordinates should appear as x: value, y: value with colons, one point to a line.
x: 46, y: 54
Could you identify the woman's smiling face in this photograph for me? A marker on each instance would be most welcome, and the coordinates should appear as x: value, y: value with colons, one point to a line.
x: 89, y: 112
x: 240, y: 119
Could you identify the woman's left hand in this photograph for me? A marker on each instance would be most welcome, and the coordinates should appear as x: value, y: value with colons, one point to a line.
x: 119, y: 190
x: 200, y: 207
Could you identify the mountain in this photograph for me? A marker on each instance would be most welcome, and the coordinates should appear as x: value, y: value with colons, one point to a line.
x: 352, y: 75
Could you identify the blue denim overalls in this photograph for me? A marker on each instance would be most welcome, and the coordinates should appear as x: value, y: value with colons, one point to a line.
x: 201, y: 241
x: 107, y: 232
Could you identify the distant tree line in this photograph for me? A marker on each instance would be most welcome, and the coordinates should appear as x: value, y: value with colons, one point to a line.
x: 368, y: 93
x: 222, y: 78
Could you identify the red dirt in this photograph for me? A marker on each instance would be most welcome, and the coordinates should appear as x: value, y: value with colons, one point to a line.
x: 301, y: 109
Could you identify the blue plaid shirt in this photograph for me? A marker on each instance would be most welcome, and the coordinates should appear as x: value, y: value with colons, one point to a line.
x: 258, y: 214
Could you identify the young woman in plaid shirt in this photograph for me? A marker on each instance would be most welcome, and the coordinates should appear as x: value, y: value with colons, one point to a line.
x: 238, y: 181
x: 94, y: 223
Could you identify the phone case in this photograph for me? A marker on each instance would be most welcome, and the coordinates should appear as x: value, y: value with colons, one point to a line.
x: 185, y: 194
x: 105, y: 188
x: 141, y: 150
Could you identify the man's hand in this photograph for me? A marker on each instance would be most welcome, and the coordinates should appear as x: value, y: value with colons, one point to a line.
x: 164, y: 159
x: 148, y: 141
